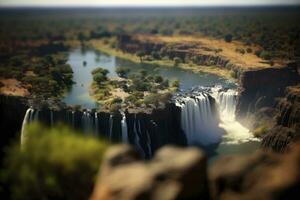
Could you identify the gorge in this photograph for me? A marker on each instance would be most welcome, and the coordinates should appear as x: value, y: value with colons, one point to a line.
x: 201, y: 113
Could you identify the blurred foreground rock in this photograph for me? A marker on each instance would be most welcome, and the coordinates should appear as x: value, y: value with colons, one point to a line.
x: 173, y: 173
x: 262, y: 175
x: 178, y: 173
x: 287, y: 128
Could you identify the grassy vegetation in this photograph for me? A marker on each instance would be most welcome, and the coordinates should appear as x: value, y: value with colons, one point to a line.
x: 56, y: 163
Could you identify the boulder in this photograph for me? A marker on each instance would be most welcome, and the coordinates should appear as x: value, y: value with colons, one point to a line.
x: 173, y: 173
x: 263, y: 175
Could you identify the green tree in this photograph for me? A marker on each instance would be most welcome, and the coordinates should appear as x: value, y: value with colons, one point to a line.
x: 55, y: 163
x: 141, y: 54
x: 228, y: 38
x: 122, y: 72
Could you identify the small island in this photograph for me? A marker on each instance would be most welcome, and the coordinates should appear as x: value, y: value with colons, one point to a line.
x: 131, y: 90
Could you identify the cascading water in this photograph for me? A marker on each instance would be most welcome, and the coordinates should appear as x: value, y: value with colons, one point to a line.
x: 73, y: 119
x: 26, y: 120
x: 124, y: 128
x: 200, y: 124
x: 197, y: 120
x: 136, y: 128
x: 87, y: 122
x: 235, y: 132
x: 96, y: 124
x: 111, y: 121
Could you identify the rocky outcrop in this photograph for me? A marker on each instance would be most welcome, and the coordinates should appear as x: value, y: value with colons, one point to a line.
x: 263, y: 175
x: 146, y: 131
x: 173, y: 173
x: 287, y: 127
x: 12, y: 110
x: 177, y: 173
x: 187, y: 52
x: 260, y: 88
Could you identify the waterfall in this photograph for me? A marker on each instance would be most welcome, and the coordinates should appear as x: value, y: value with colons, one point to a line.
x: 124, y: 128
x: 87, y: 122
x: 149, y: 144
x: 73, y: 119
x: 197, y: 120
x: 136, y: 127
x: 96, y: 124
x: 36, y: 116
x: 26, y: 120
x: 111, y: 121
x: 235, y: 132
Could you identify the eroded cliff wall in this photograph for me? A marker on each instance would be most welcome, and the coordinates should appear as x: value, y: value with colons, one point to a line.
x: 260, y: 88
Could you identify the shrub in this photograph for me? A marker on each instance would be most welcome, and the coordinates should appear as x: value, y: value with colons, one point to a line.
x: 141, y: 54
x: 240, y: 50
x: 116, y: 100
x: 155, y: 55
x: 249, y: 50
x: 158, y: 79
x: 101, y: 71
x: 228, y: 38
x: 55, y: 163
x: 152, y: 99
x: 114, y: 107
x: 176, y: 83
x: 122, y: 71
x: 265, y: 55
x: 99, y: 78
x: 177, y: 60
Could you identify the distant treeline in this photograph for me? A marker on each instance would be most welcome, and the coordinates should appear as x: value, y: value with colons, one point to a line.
x: 276, y: 29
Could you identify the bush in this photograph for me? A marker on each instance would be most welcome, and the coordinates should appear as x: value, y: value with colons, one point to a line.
x: 240, y: 50
x: 158, y: 79
x: 249, y: 50
x: 54, y: 164
x: 176, y: 84
x: 265, y: 55
x: 155, y: 55
x: 228, y: 38
x: 101, y: 71
x: 177, y: 60
x: 99, y: 75
x: 122, y: 72
x: 116, y: 100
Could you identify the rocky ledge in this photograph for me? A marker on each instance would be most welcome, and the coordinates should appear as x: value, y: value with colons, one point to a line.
x: 260, y: 88
x: 287, y: 127
x: 176, y: 173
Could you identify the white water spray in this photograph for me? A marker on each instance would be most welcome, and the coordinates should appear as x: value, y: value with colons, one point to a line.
x: 26, y: 120
x: 236, y: 133
x: 96, y: 124
x: 124, y: 128
x: 198, y: 121
x: 111, y: 121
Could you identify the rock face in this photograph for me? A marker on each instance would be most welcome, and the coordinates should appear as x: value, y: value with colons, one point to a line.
x: 260, y: 88
x: 147, y: 131
x: 176, y: 173
x: 12, y: 110
x: 196, y: 53
x: 263, y: 175
x: 173, y: 173
x: 287, y: 127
